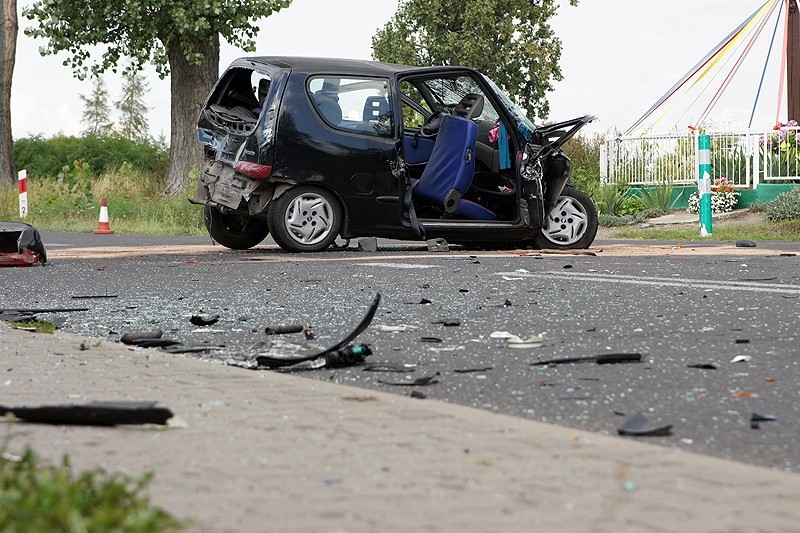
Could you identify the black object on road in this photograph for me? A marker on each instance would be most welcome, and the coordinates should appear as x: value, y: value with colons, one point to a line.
x: 745, y: 244
x: 278, y: 362
x: 419, y: 382
x: 603, y: 359
x: 703, y: 366
x: 93, y: 413
x: 640, y: 426
x: 756, y: 419
x: 281, y: 329
x: 204, y: 320
x: 134, y: 336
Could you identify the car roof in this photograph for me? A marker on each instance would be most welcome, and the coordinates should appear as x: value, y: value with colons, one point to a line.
x: 337, y: 65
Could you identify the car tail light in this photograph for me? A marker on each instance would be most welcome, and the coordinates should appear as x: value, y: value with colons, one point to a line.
x: 253, y: 170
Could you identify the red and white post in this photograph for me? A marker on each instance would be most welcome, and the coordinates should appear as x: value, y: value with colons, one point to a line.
x: 23, y: 193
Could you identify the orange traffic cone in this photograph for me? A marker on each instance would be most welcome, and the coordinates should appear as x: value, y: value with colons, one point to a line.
x: 103, y: 228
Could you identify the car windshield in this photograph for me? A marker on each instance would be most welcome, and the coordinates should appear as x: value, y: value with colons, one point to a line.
x: 515, y: 110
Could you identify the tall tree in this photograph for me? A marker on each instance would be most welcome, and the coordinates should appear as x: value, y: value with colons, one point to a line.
x: 96, y: 111
x: 511, y: 41
x: 8, y: 49
x: 133, y: 120
x: 180, y: 37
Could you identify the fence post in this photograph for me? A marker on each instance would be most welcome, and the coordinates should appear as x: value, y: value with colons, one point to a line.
x: 704, y: 183
x: 23, y: 193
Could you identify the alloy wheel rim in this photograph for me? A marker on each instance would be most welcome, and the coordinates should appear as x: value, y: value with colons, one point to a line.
x: 309, y: 219
x: 566, y: 223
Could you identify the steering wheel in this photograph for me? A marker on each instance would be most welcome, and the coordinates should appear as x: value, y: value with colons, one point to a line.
x: 432, y: 123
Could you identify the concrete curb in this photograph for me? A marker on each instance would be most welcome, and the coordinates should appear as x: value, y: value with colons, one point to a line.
x: 263, y: 451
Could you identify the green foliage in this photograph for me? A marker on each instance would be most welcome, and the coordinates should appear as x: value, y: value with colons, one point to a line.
x: 757, y: 207
x: 584, y: 152
x: 788, y: 230
x: 47, y: 157
x: 96, y: 113
x: 510, y: 41
x: 53, y: 498
x: 133, y: 111
x: 43, y: 326
x: 659, y: 197
x: 612, y: 220
x: 785, y: 206
x: 143, y: 30
x: 610, y: 199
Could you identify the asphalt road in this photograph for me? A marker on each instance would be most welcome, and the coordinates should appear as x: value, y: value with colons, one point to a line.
x: 676, y: 310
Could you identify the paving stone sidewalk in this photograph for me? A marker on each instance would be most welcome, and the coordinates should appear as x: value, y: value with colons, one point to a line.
x: 264, y: 451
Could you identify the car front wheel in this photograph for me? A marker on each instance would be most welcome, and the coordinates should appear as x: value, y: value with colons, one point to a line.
x: 234, y: 231
x: 305, y: 219
x: 571, y: 224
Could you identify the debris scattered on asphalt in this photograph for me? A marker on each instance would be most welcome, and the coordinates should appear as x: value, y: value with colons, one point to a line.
x: 703, y: 366
x: 368, y: 244
x: 94, y: 296
x: 514, y: 341
x: 419, y: 382
x: 742, y: 341
x: 93, y: 413
x: 448, y: 322
x: 742, y: 359
x: 204, y: 320
x: 743, y: 243
x: 603, y: 359
x: 472, y: 370
x: 340, y: 353
x: 283, y: 329
x: 640, y: 426
x: 418, y: 395
x: 399, y: 328
x: 203, y: 348
x: 156, y: 343
x: 430, y: 339
x: 38, y: 310
x: 756, y: 419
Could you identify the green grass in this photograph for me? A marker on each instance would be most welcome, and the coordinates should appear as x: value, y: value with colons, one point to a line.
x: 38, y: 326
x: 761, y: 231
x: 135, y: 204
x: 36, y: 497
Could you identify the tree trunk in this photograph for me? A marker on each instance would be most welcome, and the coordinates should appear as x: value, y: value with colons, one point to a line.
x: 189, y: 86
x: 8, y: 49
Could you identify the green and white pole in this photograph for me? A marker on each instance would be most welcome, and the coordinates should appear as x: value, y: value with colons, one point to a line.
x: 704, y: 183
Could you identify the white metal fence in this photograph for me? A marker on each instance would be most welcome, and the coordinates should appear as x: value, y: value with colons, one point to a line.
x: 744, y: 157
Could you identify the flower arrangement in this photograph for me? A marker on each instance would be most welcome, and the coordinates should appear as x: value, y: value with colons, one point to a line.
x: 723, y: 197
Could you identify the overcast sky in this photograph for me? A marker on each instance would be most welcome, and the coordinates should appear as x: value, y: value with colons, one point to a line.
x: 618, y: 57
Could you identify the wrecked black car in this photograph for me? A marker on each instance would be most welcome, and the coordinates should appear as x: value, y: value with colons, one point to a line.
x: 312, y: 149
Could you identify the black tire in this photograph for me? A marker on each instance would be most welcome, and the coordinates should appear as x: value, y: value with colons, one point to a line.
x: 571, y: 224
x: 234, y: 231
x: 305, y: 219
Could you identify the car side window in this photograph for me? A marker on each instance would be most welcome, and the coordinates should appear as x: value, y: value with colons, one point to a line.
x: 359, y: 105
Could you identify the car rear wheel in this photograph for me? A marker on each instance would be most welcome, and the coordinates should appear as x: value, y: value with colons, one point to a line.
x: 234, y: 231
x: 305, y: 219
x: 571, y: 224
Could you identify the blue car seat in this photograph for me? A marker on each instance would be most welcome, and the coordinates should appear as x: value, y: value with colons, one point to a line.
x: 450, y: 169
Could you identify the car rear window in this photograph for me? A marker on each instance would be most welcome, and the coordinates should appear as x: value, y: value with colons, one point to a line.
x: 359, y: 105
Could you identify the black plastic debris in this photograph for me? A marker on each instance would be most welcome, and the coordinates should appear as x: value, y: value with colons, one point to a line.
x: 156, y: 343
x: 204, y: 320
x: 640, y: 426
x: 448, y: 322
x: 93, y: 414
x: 472, y: 370
x: 703, y: 366
x: 93, y: 296
x: 419, y: 382
x: 355, y: 351
x: 742, y: 341
x: 425, y: 301
x: 21, y: 245
x: 756, y: 419
x: 568, y: 266
x: 603, y: 359
x: 430, y: 339
x: 180, y: 349
x: 283, y: 329
x: 418, y: 395
x: 386, y: 367
x: 743, y: 243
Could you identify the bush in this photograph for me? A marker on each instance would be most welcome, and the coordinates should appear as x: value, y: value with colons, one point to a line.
x: 612, y: 220
x: 47, y: 157
x: 785, y: 206
x: 659, y: 197
x: 584, y: 151
x: 53, y: 498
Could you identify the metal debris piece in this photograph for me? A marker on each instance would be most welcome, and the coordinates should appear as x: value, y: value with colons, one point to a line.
x: 398, y: 328
x: 204, y: 320
x: 93, y: 296
x: 438, y: 245
x: 742, y: 359
x: 703, y: 366
x: 93, y: 413
x: 386, y: 367
x: 368, y: 244
x: 343, y: 357
x: 756, y: 419
x: 603, y: 359
x: 514, y: 341
x: 640, y: 426
x: 472, y: 370
x: 283, y: 329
